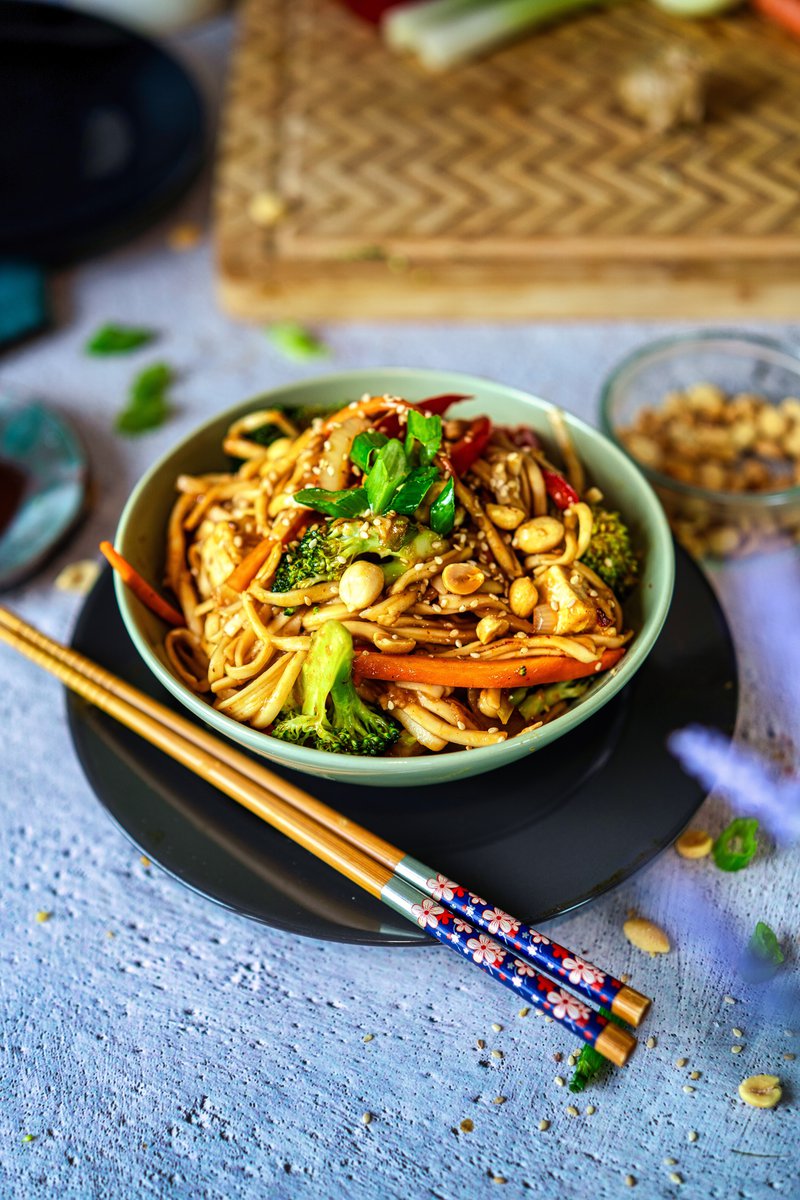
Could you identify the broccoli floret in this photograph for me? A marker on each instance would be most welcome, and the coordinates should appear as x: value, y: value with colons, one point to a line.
x: 325, y: 550
x: 610, y: 554
x: 542, y: 699
x: 332, y: 715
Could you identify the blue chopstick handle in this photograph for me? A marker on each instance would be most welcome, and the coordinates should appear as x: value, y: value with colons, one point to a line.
x: 580, y: 976
x: 484, y: 951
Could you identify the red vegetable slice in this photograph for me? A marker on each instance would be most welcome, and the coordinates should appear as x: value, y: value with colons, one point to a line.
x: 471, y: 446
x: 562, y: 494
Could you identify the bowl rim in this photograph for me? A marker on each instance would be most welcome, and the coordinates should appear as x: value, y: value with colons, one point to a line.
x: 313, y: 761
x: 651, y: 350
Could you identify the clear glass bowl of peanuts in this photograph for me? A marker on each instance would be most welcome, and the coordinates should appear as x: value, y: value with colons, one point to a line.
x: 713, y: 421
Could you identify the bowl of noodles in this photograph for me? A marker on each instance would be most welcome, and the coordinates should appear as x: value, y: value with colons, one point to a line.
x: 395, y: 577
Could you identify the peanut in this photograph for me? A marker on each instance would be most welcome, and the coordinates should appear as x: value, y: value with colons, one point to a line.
x: 694, y: 843
x: 505, y: 516
x: 646, y: 936
x: 523, y: 596
x: 490, y: 627
x: 538, y: 535
x: 360, y: 585
x: 462, y: 578
x: 761, y: 1091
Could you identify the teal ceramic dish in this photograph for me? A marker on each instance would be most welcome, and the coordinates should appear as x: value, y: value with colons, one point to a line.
x: 141, y: 539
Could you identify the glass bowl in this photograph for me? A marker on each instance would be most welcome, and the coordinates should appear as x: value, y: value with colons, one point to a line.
x: 708, y: 522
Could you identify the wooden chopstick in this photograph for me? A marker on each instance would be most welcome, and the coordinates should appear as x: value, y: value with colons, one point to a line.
x: 417, y: 900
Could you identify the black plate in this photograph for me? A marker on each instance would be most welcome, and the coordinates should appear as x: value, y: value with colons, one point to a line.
x: 96, y: 117
x: 539, y: 837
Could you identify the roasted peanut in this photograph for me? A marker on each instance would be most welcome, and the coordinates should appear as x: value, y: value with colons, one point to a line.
x: 538, y: 535
x: 462, y: 578
x: 523, y: 596
x: 360, y: 585
x: 394, y: 644
x: 490, y: 627
x: 505, y: 516
x: 761, y: 1091
x: 646, y: 936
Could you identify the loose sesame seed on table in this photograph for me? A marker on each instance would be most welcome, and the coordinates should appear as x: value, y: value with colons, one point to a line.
x: 154, y: 1044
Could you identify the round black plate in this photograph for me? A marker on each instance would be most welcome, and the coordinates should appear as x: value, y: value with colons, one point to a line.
x: 539, y: 837
x: 101, y: 130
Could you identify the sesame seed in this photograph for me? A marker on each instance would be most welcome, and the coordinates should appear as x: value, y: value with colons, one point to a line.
x: 624, y: 978
x: 557, y: 1057
x: 675, y: 1177
x: 694, y: 1074
x: 499, y: 1179
x: 728, y: 1000
x: 681, y: 1062
x: 651, y: 1043
x: 492, y: 729
x: 499, y: 1100
x: 558, y: 1081
x: 590, y: 1109
x: 366, y: 1118
x: 462, y: 726
x: 572, y: 1110
x: 42, y: 916
x: 790, y: 1057
x: 691, y: 1135
x: 544, y: 1126
x: 481, y: 1044
x: 572, y: 1060
x: 549, y: 1020
x: 737, y: 1033
x: 368, y: 1037
x: 497, y: 1054
x: 523, y: 1012
x: 630, y: 1181
x: 466, y: 1125
x: 687, y: 1087
x: 737, y: 1049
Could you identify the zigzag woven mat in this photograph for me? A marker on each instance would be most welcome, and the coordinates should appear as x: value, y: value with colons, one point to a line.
x: 514, y: 186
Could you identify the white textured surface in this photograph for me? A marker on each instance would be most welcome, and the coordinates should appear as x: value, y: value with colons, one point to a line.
x: 194, y: 1054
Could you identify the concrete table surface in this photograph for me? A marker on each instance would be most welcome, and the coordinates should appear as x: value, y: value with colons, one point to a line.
x: 152, y: 1044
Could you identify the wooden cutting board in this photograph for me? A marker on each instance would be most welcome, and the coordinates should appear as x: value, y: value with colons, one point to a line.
x: 513, y: 187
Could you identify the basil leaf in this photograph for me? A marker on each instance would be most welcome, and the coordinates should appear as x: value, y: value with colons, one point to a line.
x: 591, y: 1063
x: 264, y: 435
x: 386, y: 474
x: 427, y: 431
x: 118, y: 339
x: 147, y: 406
x: 443, y: 510
x: 736, y: 846
x: 295, y: 341
x: 764, y: 944
x: 365, y: 447
x: 351, y: 502
x: 413, y: 490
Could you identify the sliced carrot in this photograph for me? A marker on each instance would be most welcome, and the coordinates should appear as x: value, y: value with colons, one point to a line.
x: 368, y: 408
x: 242, y: 576
x: 140, y: 587
x: 470, y: 672
x: 782, y: 12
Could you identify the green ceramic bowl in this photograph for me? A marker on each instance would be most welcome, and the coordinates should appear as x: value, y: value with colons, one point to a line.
x: 141, y: 539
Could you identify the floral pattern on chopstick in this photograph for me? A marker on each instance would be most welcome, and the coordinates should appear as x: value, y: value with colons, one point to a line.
x: 512, y: 935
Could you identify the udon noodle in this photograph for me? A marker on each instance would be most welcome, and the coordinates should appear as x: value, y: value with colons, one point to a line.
x: 510, y: 583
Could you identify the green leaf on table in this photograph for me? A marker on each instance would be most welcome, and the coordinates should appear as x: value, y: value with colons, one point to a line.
x: 118, y: 339
x: 295, y: 341
x: 148, y: 404
x: 591, y: 1063
x: 736, y: 846
x: 765, y: 947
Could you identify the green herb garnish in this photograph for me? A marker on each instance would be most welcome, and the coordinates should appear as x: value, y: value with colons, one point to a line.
x: 423, y: 431
x: 118, y: 339
x: 765, y: 949
x: 296, y: 342
x: 147, y: 406
x: 350, y: 502
x: 590, y: 1062
x: 365, y: 447
x: 386, y: 474
x: 736, y: 846
x: 413, y: 490
x: 443, y: 510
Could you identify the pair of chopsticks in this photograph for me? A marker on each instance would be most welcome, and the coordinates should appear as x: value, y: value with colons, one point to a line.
x: 546, y: 975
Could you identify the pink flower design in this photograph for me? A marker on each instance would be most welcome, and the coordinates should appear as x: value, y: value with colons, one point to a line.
x: 540, y: 938
x: 485, y: 949
x: 524, y: 968
x: 461, y: 925
x: 565, y: 1005
x: 427, y: 913
x: 580, y: 971
x: 442, y: 888
x: 500, y: 921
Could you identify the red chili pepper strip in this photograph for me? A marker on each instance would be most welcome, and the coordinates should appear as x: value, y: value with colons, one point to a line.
x: 471, y: 446
x: 783, y: 12
x: 460, y: 672
x: 440, y: 404
x: 560, y: 492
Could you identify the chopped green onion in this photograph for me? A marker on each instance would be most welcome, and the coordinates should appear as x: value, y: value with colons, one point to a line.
x: 118, y: 339
x: 365, y: 447
x: 443, y: 510
x: 296, y: 342
x: 350, y: 502
x: 736, y: 846
x: 413, y: 490
x: 425, y: 431
x: 147, y: 406
x: 386, y: 474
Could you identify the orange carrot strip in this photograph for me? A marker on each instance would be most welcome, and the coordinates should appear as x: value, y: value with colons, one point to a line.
x: 242, y: 576
x: 783, y: 12
x: 366, y: 408
x: 140, y: 587
x: 471, y: 672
